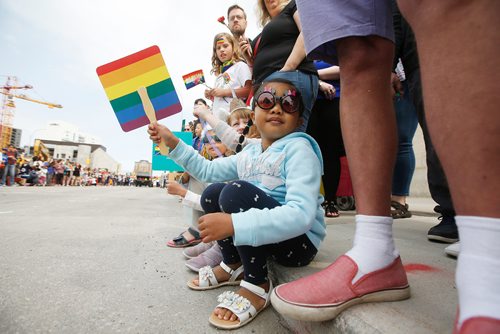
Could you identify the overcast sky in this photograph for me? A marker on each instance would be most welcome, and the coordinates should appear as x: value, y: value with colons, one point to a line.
x: 56, y: 45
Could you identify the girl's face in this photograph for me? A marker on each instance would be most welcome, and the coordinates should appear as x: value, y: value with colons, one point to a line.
x: 273, y: 122
x: 221, y: 147
x: 199, y: 103
x: 224, y: 49
x: 198, y: 130
x: 218, y: 144
x: 238, y: 124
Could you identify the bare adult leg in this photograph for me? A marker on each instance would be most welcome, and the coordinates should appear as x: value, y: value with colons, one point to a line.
x: 373, y: 265
x: 368, y: 121
x: 458, y: 43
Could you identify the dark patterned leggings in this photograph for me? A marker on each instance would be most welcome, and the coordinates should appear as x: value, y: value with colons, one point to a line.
x: 239, y: 196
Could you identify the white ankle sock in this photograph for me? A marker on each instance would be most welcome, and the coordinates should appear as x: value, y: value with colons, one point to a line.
x: 373, y: 246
x: 478, y: 267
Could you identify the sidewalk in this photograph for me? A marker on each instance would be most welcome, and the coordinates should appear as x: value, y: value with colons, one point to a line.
x: 94, y: 260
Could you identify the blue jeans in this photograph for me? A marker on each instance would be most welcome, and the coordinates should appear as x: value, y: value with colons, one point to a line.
x: 9, y: 170
x: 308, y: 86
x: 407, y: 121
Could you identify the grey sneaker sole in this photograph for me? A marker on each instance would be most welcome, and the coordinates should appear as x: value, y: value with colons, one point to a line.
x: 193, y: 268
x: 452, y: 250
x: 442, y: 239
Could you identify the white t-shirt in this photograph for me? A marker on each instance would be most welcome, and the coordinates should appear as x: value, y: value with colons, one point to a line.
x: 236, y: 76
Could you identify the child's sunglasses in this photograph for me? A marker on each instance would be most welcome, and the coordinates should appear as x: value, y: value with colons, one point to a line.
x: 289, y: 103
x: 216, y: 139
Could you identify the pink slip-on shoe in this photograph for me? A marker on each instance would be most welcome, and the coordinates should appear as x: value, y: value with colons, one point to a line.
x: 483, y: 325
x: 323, y: 295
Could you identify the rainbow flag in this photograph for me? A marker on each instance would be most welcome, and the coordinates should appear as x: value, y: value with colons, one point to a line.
x: 121, y: 79
x: 193, y: 79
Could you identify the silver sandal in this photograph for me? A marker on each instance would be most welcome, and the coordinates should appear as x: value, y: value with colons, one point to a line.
x: 208, y: 281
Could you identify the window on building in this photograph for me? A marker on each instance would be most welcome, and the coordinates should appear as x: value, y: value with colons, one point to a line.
x: 75, y: 154
x: 63, y: 156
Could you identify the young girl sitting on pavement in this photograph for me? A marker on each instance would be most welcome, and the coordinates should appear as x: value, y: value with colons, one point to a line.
x: 236, y: 130
x: 191, y: 195
x: 274, y: 209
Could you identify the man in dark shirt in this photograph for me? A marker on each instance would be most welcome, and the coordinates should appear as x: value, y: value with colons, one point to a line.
x: 237, y: 22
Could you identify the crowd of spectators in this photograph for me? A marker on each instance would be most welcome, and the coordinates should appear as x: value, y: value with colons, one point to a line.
x: 20, y: 169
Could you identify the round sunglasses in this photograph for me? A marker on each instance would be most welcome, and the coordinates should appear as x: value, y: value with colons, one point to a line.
x: 289, y: 103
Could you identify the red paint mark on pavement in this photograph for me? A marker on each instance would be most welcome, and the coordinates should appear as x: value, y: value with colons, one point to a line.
x: 414, y: 267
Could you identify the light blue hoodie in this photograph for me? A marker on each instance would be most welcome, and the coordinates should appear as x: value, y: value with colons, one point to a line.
x: 289, y: 171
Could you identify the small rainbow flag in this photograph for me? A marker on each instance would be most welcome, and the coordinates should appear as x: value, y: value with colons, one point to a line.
x: 193, y: 79
x: 121, y: 79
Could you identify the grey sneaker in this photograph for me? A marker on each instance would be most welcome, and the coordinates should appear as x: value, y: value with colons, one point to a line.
x: 453, y: 249
x: 194, y: 251
x: 211, y: 257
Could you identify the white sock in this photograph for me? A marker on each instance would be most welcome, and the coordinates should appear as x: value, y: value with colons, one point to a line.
x: 373, y: 246
x: 478, y: 267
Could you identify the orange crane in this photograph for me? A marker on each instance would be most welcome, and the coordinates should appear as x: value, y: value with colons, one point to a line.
x: 8, y: 107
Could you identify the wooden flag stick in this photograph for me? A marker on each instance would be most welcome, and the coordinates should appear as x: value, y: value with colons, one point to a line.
x: 150, y: 113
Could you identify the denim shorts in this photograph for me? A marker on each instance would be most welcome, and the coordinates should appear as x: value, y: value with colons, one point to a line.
x: 307, y: 84
x: 324, y: 22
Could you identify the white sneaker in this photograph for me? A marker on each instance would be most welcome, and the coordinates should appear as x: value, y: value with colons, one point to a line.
x: 453, y: 249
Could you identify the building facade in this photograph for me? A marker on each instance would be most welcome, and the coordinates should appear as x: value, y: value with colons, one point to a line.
x: 64, y: 141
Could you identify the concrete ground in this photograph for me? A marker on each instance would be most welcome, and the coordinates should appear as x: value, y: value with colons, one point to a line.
x: 94, y: 260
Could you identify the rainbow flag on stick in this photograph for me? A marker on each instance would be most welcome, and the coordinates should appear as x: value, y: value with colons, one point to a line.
x: 194, y: 79
x: 121, y: 79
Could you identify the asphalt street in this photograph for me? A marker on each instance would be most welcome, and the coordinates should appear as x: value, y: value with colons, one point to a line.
x: 94, y: 260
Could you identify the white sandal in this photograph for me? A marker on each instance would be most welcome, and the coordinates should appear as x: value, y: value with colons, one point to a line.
x: 208, y: 281
x: 240, y: 306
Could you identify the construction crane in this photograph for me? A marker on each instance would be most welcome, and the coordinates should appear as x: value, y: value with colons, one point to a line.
x: 8, y: 107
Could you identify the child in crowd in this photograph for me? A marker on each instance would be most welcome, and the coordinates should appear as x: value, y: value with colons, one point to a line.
x: 232, y: 74
x: 212, y: 147
x: 234, y: 138
x: 238, y: 131
x: 198, y: 128
x: 274, y: 209
x: 239, y: 125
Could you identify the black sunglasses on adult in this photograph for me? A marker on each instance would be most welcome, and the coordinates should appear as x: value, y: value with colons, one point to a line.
x: 289, y: 103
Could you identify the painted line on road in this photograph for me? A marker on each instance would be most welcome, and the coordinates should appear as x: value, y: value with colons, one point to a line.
x: 6, y: 212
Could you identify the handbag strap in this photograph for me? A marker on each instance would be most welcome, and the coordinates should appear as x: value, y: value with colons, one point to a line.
x: 256, y: 48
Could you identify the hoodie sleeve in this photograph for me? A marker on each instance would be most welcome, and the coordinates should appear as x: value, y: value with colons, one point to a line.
x: 218, y: 170
x: 302, y: 172
x: 192, y: 201
x: 230, y: 136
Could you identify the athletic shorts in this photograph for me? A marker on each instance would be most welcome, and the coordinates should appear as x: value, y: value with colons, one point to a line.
x: 325, y: 21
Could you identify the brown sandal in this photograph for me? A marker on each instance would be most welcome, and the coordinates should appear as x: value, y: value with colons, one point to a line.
x: 331, y: 210
x: 400, y: 210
